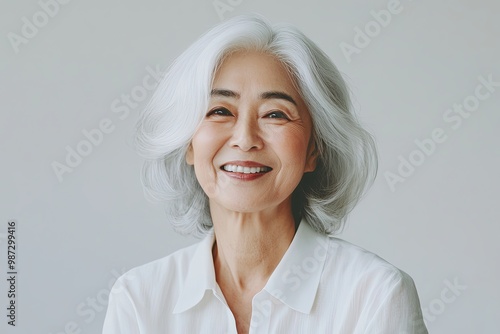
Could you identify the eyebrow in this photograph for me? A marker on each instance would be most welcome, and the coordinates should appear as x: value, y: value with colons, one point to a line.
x: 265, y: 95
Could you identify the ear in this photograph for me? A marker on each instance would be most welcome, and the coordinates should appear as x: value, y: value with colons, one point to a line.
x: 312, y: 157
x: 190, y: 155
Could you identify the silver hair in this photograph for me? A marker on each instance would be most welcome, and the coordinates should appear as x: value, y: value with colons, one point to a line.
x: 347, y: 158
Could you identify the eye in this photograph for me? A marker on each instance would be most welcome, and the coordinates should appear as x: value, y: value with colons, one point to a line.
x: 277, y: 114
x: 219, y: 111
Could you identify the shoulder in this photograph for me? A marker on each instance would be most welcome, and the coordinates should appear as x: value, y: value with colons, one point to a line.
x: 147, y: 292
x: 379, y: 296
x: 158, y: 273
x: 361, y: 266
x: 382, y: 297
x: 363, y: 279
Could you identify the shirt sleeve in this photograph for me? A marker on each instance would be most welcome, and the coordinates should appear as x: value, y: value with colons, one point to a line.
x: 400, y: 311
x: 121, y: 315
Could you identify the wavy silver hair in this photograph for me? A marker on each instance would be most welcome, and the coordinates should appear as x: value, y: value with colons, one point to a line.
x: 347, y: 159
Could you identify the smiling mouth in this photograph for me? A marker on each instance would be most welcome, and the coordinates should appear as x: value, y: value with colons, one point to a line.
x: 246, y: 170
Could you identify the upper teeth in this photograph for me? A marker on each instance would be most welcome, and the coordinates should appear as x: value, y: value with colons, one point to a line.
x: 245, y: 170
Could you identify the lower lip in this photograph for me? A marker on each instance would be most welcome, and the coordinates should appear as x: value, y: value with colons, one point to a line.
x: 243, y: 176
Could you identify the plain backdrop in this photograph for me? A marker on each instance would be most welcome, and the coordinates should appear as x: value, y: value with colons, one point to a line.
x: 73, y: 70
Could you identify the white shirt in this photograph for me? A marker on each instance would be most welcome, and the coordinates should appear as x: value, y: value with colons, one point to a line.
x: 321, y: 285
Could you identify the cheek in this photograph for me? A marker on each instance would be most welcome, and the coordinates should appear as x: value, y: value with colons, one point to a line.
x: 206, y: 142
x: 291, y: 146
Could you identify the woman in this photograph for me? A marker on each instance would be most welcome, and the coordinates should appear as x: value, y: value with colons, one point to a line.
x: 251, y: 143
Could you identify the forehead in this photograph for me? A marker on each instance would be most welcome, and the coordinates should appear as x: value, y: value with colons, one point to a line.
x: 253, y: 69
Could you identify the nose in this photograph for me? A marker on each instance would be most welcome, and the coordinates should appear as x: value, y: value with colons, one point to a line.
x: 246, y: 134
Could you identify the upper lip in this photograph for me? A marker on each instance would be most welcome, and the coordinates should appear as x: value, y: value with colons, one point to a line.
x: 245, y: 163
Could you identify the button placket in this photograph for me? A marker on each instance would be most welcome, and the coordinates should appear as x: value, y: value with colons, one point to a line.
x: 262, y: 308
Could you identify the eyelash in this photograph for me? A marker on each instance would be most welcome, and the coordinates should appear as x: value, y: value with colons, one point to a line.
x: 284, y: 116
x: 213, y: 112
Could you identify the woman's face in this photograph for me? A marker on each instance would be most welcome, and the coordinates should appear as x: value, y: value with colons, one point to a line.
x: 256, y: 118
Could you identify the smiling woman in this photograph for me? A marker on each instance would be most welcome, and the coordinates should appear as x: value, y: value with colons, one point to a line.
x: 251, y: 143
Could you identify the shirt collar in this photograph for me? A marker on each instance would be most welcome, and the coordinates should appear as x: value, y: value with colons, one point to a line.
x: 296, y: 279
x: 294, y: 282
x: 200, y: 276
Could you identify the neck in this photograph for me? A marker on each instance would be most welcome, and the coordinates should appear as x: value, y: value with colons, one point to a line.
x: 249, y: 246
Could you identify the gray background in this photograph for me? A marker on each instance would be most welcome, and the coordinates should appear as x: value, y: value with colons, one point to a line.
x: 77, y: 234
